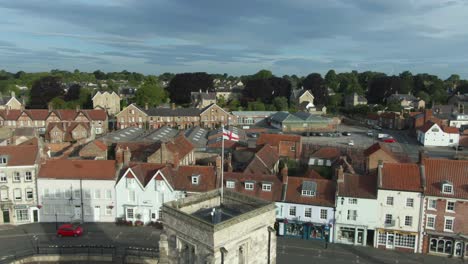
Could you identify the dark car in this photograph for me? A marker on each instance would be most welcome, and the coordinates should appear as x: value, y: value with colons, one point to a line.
x: 346, y: 134
x: 458, y: 148
x: 69, y: 230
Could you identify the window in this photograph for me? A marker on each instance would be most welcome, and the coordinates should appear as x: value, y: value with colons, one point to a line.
x: 308, y: 193
x: 323, y: 214
x: 46, y: 193
x: 29, y: 194
x: 430, y: 223
x: 195, y: 179
x: 352, y: 215
x: 249, y: 186
x: 28, y: 176
x: 3, y: 160
x: 266, y: 187
x: 17, y: 194
x: 448, y: 225
x: 389, y: 200
x: 130, y: 213
x: 388, y: 219
x: 22, y: 215
x: 58, y: 193
x: 293, y: 148
x: 308, y: 212
x: 292, y: 210
x: 408, y: 220
x: 131, y: 196
x: 403, y: 240
x: 447, y: 188
x: 16, y: 177
x: 76, y: 193
x: 4, y: 195
x: 108, y: 210
x: 97, y: 194
x: 68, y: 193
x: 130, y: 182
x: 108, y: 194
x: 450, y: 206
x: 87, y: 194
x: 409, y: 202
x: 352, y: 201
x: 153, y: 215
x: 230, y: 184
x: 432, y: 204
x: 3, y: 177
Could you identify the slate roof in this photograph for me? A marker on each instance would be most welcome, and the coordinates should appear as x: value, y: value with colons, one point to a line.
x: 197, y: 136
x: 21, y: 155
x: 438, y: 171
x: 78, y: 169
x: 172, y: 112
x: 401, y: 177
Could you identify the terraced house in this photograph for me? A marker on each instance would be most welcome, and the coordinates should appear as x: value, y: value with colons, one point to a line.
x: 18, y: 195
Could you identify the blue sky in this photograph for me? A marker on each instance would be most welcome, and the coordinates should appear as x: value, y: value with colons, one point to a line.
x: 236, y: 37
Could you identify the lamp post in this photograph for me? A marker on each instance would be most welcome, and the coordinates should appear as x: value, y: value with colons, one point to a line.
x: 56, y: 221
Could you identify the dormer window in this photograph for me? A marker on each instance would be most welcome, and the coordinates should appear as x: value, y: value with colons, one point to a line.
x: 447, y: 187
x: 195, y: 179
x: 230, y: 184
x: 266, y: 187
x: 249, y: 185
x: 309, y: 188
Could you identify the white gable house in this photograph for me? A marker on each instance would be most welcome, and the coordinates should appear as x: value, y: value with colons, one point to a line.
x: 432, y: 134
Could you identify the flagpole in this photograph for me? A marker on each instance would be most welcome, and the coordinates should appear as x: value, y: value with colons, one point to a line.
x: 222, y: 163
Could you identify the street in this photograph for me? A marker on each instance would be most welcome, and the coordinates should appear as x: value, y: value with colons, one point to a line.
x: 21, y: 239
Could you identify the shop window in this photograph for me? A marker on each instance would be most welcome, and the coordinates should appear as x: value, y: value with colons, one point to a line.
x: 443, y: 246
x: 130, y: 213
x: 22, y: 215
x: 293, y: 229
x: 317, y: 231
x: 405, y: 240
x: 347, y: 234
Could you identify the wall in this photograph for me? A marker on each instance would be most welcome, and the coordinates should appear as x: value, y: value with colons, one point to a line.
x: 128, y: 119
x: 438, y: 138
x: 399, y: 209
x: 366, y: 212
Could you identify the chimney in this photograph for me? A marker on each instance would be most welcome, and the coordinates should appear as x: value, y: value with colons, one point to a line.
x: 229, y: 162
x: 422, y: 171
x: 50, y: 106
x: 218, y: 170
x: 284, y: 174
x: 339, y: 174
x: 379, y: 174
x: 422, y: 156
x: 427, y: 115
x: 13, y: 94
x: 146, y: 106
x: 173, y: 106
x: 119, y: 155
x: 127, y: 155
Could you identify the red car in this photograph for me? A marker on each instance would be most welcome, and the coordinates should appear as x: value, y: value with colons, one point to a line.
x: 389, y: 140
x: 69, y: 230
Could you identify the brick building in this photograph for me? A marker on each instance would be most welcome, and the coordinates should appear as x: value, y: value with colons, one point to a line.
x: 287, y: 145
x: 379, y: 152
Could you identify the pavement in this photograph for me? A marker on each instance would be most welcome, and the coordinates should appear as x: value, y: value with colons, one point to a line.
x: 21, y: 239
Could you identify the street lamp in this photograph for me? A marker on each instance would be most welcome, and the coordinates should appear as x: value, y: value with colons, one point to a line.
x: 56, y: 221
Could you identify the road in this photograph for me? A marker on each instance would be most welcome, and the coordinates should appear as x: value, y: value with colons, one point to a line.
x: 21, y: 239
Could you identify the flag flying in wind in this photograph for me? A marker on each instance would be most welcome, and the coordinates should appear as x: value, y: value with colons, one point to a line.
x: 229, y: 135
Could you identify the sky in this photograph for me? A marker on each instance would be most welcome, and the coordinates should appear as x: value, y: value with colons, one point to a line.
x: 235, y: 37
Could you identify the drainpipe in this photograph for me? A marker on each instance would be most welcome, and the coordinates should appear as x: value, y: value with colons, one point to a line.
x: 223, y: 253
x: 270, y: 230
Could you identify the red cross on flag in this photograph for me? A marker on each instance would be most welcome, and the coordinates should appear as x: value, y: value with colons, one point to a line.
x: 229, y: 135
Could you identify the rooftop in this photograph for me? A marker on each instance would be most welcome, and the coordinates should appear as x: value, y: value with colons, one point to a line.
x: 123, y: 135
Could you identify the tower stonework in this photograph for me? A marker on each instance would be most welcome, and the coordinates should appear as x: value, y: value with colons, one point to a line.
x: 201, y: 229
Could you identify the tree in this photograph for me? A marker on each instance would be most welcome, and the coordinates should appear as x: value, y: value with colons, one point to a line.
x: 265, y: 89
x: 256, y: 106
x: 73, y: 92
x: 183, y: 84
x: 44, y: 90
x: 99, y: 75
x: 262, y: 74
x: 331, y: 80
x: 424, y: 96
x: 452, y: 82
x: 234, y: 105
x: 334, y: 102
x: 150, y: 93
x: 407, y: 83
x: 382, y: 87
x: 462, y: 88
x: 315, y: 83
x: 280, y: 103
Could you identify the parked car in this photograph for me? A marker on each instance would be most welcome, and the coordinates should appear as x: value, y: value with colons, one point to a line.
x: 377, y: 127
x: 346, y: 134
x: 69, y: 230
x: 351, y: 143
x: 370, y: 133
x: 389, y: 140
x: 320, y: 134
x: 459, y: 148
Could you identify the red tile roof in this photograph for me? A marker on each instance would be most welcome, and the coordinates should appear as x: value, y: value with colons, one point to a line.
x: 275, y: 139
x: 412, y: 114
x: 140, y: 151
x: 454, y: 171
x: 325, y: 194
x: 358, y: 186
x: 180, y: 145
x: 100, y: 145
x: 78, y: 169
x: 21, y: 155
x: 241, y: 178
x: 401, y: 177
x: 450, y: 130
x: 263, y: 161
x: 38, y: 114
x: 379, y: 146
x: 66, y: 114
x: 426, y: 126
x: 10, y: 114
x: 327, y: 153
x: 96, y: 114
x: 181, y: 178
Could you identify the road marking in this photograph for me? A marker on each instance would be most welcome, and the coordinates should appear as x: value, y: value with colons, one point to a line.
x: 117, y: 236
x: 23, y: 235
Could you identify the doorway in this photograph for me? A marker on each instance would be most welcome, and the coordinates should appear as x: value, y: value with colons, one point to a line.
x: 77, y: 212
x: 97, y: 213
x: 6, y: 216
x: 370, y: 237
x: 390, y: 241
x: 35, y: 216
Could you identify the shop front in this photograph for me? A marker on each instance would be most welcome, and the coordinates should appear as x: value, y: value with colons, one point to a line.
x: 304, y: 230
x: 399, y: 240
x: 449, y: 245
x: 353, y: 235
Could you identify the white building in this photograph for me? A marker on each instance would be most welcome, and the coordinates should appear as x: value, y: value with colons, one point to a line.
x: 356, y: 207
x: 142, y: 190
x: 432, y: 134
x: 77, y: 190
x: 458, y: 120
x: 18, y: 170
x: 399, y: 198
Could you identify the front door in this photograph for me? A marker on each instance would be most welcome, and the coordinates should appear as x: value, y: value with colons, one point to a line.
x: 77, y: 214
x: 35, y: 216
x: 458, y: 249
x: 6, y: 216
x: 97, y: 213
x: 390, y: 241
